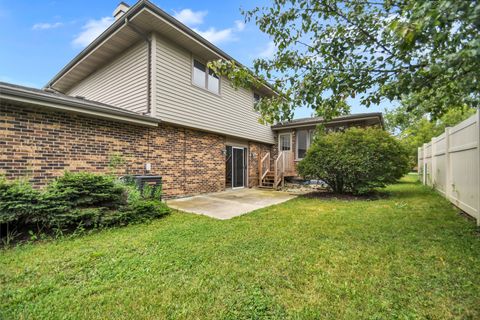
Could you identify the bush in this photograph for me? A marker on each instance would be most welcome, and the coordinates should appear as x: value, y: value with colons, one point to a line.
x: 355, y: 161
x: 17, y: 200
x: 88, y: 190
x: 77, y: 200
x: 145, y: 210
x: 142, y: 205
x: 81, y: 217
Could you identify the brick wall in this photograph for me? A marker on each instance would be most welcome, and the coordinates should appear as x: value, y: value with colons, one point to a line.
x: 40, y: 145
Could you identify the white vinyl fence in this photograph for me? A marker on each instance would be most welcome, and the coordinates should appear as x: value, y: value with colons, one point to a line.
x: 450, y: 164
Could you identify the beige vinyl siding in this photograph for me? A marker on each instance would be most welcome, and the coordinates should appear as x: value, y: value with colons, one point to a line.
x: 122, y: 83
x: 236, y: 142
x: 180, y: 102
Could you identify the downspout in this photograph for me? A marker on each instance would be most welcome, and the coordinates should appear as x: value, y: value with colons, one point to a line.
x: 147, y: 39
x: 184, y: 160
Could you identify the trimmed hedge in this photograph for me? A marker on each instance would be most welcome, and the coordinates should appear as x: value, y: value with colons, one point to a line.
x: 76, y: 200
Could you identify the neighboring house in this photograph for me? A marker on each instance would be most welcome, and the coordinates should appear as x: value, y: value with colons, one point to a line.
x: 142, y: 91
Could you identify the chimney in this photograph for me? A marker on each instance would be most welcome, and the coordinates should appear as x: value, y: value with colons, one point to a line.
x: 120, y: 10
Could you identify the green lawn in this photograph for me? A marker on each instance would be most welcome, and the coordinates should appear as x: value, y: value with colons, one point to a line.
x: 407, y: 256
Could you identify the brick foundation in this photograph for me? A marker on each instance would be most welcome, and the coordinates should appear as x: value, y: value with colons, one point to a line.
x: 39, y: 145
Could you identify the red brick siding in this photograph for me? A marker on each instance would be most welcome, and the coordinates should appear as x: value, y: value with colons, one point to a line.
x: 40, y: 145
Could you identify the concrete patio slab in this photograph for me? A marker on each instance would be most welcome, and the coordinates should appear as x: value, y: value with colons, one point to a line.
x: 231, y: 203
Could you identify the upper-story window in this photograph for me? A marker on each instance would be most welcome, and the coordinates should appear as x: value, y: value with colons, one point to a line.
x: 199, y: 76
x: 213, y: 82
x: 206, y: 80
x: 256, y: 98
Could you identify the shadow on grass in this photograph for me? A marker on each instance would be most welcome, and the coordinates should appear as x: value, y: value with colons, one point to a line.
x: 408, y: 182
x: 330, y: 195
x: 408, y: 188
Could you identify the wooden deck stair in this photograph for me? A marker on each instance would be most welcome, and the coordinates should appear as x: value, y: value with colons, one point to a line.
x: 268, y: 181
x: 283, y: 166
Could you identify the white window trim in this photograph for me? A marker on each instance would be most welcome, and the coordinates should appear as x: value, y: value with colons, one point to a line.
x: 296, y: 142
x: 206, y: 77
x: 279, y: 140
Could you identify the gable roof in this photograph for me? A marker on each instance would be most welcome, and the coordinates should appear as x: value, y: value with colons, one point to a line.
x: 140, y: 20
x: 373, y: 117
x: 41, y: 98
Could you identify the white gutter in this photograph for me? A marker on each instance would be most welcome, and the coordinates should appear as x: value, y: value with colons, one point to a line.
x: 315, y: 123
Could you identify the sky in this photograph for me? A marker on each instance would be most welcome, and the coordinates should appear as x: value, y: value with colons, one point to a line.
x: 38, y: 38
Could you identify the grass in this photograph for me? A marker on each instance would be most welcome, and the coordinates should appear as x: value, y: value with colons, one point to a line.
x: 407, y: 256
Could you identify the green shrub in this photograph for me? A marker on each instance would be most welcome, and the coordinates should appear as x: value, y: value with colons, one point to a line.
x: 148, y: 191
x: 151, y: 192
x: 17, y: 201
x: 77, y: 200
x: 87, y: 218
x: 355, y: 161
x: 51, y: 206
x: 74, y: 218
x: 146, y: 210
x: 142, y: 205
x: 88, y: 190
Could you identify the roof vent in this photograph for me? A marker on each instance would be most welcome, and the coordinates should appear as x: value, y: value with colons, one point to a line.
x: 80, y: 97
x: 120, y: 10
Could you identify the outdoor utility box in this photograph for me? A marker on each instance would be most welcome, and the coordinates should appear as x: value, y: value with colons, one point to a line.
x: 155, y: 182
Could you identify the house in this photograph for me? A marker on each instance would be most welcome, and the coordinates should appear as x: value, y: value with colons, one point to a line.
x: 142, y: 91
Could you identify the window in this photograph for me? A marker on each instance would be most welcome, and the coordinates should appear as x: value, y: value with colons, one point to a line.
x: 213, y: 82
x: 304, y: 139
x: 284, y: 141
x: 199, y: 74
x: 201, y: 78
x: 256, y: 98
x: 302, y: 143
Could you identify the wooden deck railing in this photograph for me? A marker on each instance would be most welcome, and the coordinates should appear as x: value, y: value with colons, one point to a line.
x: 288, y: 163
x: 264, y: 168
x: 279, y: 169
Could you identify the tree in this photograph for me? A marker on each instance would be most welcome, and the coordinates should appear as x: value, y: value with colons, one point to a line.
x: 355, y: 161
x: 415, y: 129
x: 330, y: 51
